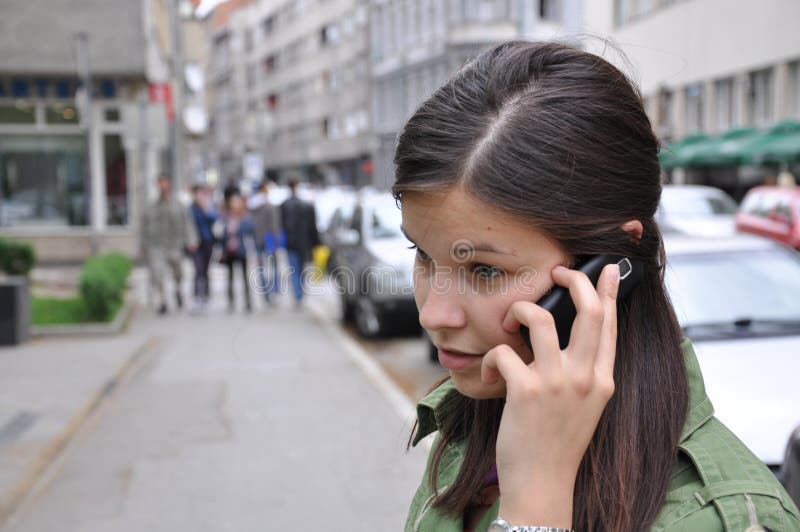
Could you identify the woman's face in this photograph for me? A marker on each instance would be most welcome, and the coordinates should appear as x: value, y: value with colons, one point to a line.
x: 236, y: 205
x: 473, y: 261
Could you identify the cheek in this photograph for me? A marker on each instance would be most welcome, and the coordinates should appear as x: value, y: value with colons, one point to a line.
x: 421, y: 288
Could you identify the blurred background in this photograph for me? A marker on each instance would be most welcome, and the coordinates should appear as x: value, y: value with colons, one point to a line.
x: 162, y: 368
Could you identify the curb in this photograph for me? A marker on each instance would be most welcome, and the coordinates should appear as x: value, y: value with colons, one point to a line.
x: 121, y: 321
x: 11, y: 500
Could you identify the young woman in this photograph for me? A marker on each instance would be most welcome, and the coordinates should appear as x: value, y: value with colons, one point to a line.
x: 238, y: 230
x: 529, y: 158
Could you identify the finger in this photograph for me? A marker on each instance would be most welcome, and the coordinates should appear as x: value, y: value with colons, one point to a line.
x: 608, y: 288
x: 543, y: 333
x: 502, y: 361
x: 584, y: 338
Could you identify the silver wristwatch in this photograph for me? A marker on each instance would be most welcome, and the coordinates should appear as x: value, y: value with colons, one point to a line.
x: 500, y: 525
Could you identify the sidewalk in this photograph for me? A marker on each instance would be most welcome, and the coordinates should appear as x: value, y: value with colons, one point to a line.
x: 266, y: 421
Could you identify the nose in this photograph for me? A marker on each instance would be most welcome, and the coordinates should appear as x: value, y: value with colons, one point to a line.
x: 441, y: 308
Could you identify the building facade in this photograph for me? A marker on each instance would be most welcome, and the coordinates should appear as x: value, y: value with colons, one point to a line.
x: 75, y: 172
x: 292, y: 92
x: 708, y: 66
x: 417, y: 44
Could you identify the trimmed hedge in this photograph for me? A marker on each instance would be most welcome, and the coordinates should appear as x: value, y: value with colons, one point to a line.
x: 102, y: 284
x: 16, y: 258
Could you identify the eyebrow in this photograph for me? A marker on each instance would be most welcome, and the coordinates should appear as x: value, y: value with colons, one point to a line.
x: 486, y: 248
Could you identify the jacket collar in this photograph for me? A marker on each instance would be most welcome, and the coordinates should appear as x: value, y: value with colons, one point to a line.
x: 431, y: 408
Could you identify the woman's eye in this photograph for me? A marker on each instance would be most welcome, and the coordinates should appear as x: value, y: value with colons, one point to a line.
x: 421, y: 255
x: 484, y: 271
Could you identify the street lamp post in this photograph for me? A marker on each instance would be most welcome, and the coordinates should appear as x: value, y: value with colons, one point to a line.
x: 176, y: 129
x: 82, y: 55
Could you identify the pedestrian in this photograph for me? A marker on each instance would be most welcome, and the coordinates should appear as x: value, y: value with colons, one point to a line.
x: 237, y: 233
x: 266, y: 224
x: 231, y: 189
x: 530, y: 159
x: 299, y: 223
x: 204, y: 215
x: 167, y: 234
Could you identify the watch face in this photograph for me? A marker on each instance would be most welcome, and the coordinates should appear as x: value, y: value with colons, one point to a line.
x: 498, y: 525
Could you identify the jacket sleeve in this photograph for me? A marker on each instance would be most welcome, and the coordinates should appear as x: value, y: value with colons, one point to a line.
x: 189, y: 231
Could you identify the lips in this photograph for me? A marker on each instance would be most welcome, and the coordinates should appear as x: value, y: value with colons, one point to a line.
x: 458, y: 360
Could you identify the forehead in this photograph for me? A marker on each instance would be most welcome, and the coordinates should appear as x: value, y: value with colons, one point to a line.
x: 443, y: 217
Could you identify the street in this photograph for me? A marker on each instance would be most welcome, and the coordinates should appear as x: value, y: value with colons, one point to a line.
x: 241, y: 422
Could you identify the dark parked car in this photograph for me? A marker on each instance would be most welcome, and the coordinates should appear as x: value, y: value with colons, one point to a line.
x: 373, y: 267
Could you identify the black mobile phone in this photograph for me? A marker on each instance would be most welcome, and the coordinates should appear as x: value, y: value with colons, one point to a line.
x: 560, y: 305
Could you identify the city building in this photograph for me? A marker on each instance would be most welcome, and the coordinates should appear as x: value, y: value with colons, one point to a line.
x: 417, y: 44
x: 78, y: 166
x: 708, y: 67
x: 292, y: 82
x: 224, y: 144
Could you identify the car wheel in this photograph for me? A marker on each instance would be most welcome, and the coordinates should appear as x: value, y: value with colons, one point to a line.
x: 348, y: 310
x: 370, y: 322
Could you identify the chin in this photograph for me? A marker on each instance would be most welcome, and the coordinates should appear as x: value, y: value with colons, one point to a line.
x: 473, y: 387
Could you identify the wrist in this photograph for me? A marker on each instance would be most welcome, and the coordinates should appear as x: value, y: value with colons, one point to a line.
x: 540, y: 502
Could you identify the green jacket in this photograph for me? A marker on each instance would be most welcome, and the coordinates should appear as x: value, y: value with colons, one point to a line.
x: 717, y: 483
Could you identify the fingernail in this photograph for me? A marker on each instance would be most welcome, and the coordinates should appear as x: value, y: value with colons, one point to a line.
x: 614, y: 273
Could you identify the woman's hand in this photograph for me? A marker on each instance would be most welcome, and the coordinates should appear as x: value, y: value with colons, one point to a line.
x: 554, y: 403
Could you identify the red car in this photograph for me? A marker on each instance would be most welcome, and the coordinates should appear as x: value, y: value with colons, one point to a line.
x: 772, y: 212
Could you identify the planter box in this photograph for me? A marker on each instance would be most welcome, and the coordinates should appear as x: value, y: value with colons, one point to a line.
x: 15, y: 310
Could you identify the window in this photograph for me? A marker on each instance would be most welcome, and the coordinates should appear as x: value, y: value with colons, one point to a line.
x: 42, y: 180
x: 116, y: 180
x: 623, y: 11
x: 726, y: 104
x: 794, y: 89
x: 267, y: 25
x: 694, y: 108
x: 250, y: 75
x: 21, y: 112
x: 329, y: 35
x: 248, y: 40
x: 550, y: 10
x: 59, y: 113
x: 644, y: 7
x: 761, y: 97
x: 269, y: 63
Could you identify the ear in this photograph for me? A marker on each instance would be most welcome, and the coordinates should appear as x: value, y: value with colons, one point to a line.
x: 634, y: 229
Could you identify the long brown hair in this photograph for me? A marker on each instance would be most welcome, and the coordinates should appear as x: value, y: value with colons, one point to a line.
x: 558, y: 138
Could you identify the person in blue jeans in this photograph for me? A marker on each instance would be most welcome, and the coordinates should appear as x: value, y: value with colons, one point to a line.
x: 204, y: 215
x: 299, y: 222
x: 266, y: 224
x: 238, y: 230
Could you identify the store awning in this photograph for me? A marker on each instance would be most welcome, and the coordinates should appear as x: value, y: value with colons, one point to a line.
x: 780, y: 144
x: 726, y: 150
x: 679, y: 153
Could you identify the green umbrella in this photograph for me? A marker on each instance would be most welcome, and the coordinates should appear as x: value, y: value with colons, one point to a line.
x: 678, y: 153
x: 725, y: 150
x: 781, y: 144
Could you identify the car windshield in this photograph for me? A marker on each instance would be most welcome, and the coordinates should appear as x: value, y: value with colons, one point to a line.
x: 386, y: 220
x: 682, y: 204
x: 741, y: 288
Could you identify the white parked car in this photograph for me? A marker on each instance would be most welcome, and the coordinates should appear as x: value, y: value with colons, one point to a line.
x: 696, y: 210
x: 738, y: 300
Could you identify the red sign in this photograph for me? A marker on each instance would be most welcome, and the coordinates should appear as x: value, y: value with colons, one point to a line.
x: 162, y: 93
